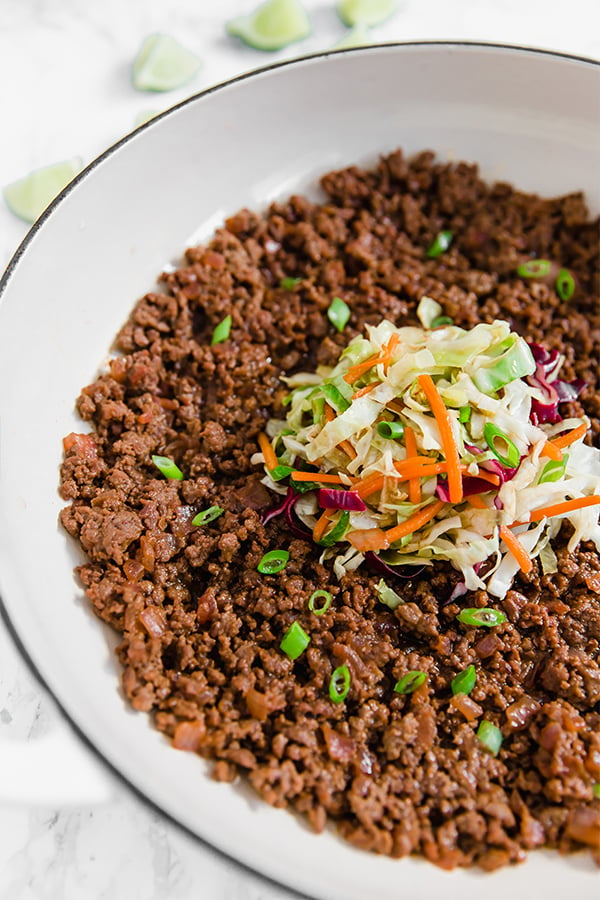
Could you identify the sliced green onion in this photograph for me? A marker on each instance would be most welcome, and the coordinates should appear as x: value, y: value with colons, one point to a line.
x: 390, y: 430
x: 337, y: 532
x: 486, y: 616
x: 339, y: 684
x: 280, y: 472
x: 554, y: 470
x: 304, y: 487
x: 295, y: 641
x: 464, y: 414
x: 565, y: 284
x: 221, y: 332
x: 534, y: 268
x: 441, y: 320
x: 366, y: 12
x: 386, y: 595
x: 596, y: 790
x: 335, y: 397
x: 163, y: 64
x: 464, y: 682
x: 441, y: 242
x: 511, y: 457
x: 208, y: 515
x: 490, y: 736
x: 273, y: 561
x: 272, y: 25
x: 28, y: 197
x: 318, y: 409
x: 338, y: 313
x: 319, y: 595
x: 288, y: 284
x: 168, y: 468
x: 410, y: 682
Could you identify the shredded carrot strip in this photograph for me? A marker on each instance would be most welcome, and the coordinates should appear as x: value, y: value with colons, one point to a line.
x: 329, y: 413
x: 414, y: 485
x: 322, y: 523
x: 388, y: 349
x: 368, y: 539
x: 365, y: 390
x: 565, y: 440
x: 317, y: 476
x: 414, y: 522
x: 412, y: 462
x: 551, y: 451
x: 359, y: 369
x: 370, y: 485
x: 267, y: 451
x: 422, y: 471
x: 476, y: 501
x: 516, y: 548
x: 348, y: 449
x: 546, y: 512
x: 442, y: 418
x: 485, y: 476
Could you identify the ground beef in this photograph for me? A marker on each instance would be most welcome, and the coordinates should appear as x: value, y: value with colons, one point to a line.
x: 201, y: 627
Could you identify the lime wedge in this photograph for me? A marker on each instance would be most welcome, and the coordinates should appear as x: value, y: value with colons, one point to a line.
x: 366, y: 12
x: 28, y: 197
x: 272, y: 25
x: 163, y: 64
x: 358, y: 36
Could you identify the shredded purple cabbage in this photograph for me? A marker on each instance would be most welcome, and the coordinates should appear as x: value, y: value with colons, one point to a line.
x: 332, y: 499
x: 554, y: 389
x: 471, y: 485
x: 286, y: 508
x: 377, y: 565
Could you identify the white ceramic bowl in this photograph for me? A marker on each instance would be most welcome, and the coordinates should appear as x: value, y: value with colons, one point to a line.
x: 525, y: 116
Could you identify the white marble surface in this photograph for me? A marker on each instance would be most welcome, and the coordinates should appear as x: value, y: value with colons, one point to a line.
x: 65, y: 92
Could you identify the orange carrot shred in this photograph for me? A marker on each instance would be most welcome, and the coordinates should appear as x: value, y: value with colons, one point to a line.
x: 365, y: 539
x: 565, y: 440
x: 551, y: 452
x: 414, y: 522
x: 476, y: 501
x: 517, y: 549
x: 267, y: 451
x: 485, y: 476
x: 359, y: 369
x: 365, y: 390
x: 414, y: 485
x: 317, y: 476
x: 322, y: 523
x: 348, y: 449
x: 442, y: 418
x: 419, y: 470
x: 329, y: 413
x: 370, y: 485
x: 557, y: 509
x: 388, y: 349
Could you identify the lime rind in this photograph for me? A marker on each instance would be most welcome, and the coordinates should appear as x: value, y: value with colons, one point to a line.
x: 367, y: 13
x: 272, y: 26
x: 357, y: 36
x: 28, y: 197
x: 163, y: 64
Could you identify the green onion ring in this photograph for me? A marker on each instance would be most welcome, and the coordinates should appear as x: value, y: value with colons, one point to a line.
x: 490, y: 736
x: 565, y: 284
x: 410, y: 682
x: 319, y: 595
x: 554, y: 470
x: 339, y: 684
x: 534, y: 268
x: 273, y: 561
x: 485, y: 616
x: 295, y: 641
x: 492, y: 433
x: 168, y: 468
x: 338, y: 313
x: 464, y: 682
x: 391, y: 431
x: 208, y: 515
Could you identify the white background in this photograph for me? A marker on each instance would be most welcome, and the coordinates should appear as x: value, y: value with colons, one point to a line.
x: 65, y: 92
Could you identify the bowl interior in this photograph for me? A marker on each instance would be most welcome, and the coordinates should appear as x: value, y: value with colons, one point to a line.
x: 526, y: 117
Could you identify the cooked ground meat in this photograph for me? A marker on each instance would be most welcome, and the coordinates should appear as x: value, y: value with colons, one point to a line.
x: 201, y: 627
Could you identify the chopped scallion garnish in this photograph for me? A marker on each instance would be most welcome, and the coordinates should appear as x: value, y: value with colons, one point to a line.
x: 509, y: 456
x: 534, y: 268
x: 485, y: 616
x: 410, y: 682
x: 490, y: 736
x: 288, y: 284
x: 273, y: 561
x: 554, y: 470
x: 168, y: 468
x: 390, y: 430
x: 320, y: 610
x: 339, y: 684
x: 464, y: 682
x: 208, y: 515
x: 335, y: 397
x: 221, y: 332
x: 295, y: 641
x: 464, y: 414
x: 338, y: 313
x: 441, y: 320
x: 565, y: 284
x: 280, y: 472
x: 440, y: 244
x: 337, y: 532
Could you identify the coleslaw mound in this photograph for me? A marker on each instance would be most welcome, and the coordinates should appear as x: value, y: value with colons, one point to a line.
x: 435, y: 443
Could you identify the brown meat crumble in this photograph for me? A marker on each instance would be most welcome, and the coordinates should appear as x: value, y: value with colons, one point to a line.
x: 201, y: 627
